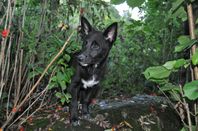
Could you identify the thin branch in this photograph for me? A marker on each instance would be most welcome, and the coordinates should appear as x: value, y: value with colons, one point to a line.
x: 36, y: 84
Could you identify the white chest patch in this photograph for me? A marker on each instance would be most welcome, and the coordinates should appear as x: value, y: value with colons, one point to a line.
x: 89, y: 83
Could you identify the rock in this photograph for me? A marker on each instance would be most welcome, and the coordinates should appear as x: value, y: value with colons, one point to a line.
x: 142, y: 112
x: 139, y: 113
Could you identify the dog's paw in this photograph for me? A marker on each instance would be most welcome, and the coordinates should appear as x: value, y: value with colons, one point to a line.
x: 75, y: 123
x: 86, y: 116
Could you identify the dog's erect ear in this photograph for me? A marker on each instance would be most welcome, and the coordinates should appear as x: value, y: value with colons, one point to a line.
x: 111, y: 32
x: 85, y: 25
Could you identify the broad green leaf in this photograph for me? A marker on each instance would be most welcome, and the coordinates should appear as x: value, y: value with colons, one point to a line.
x: 179, y: 63
x: 156, y: 72
x: 63, y: 99
x: 191, y: 90
x: 187, y: 64
x: 195, y: 58
x: 176, y: 4
x: 184, y: 42
x: 52, y: 85
x: 58, y: 94
x: 170, y: 64
x: 67, y: 97
x: 63, y: 85
x: 117, y: 2
x: 172, y: 89
x: 175, y: 64
x: 67, y: 57
x: 159, y: 81
x: 169, y: 87
x: 180, y: 13
x: 54, y: 78
x: 135, y: 3
x: 60, y: 76
x: 175, y: 95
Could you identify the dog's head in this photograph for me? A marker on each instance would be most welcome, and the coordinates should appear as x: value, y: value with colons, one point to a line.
x: 96, y: 44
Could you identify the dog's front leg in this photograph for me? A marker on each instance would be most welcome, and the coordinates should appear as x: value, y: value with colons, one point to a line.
x: 73, y: 90
x: 85, y: 95
x: 74, y: 107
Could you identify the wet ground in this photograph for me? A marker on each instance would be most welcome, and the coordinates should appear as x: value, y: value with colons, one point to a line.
x: 138, y: 113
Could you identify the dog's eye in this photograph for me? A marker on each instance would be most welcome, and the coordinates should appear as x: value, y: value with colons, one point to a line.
x: 95, y: 45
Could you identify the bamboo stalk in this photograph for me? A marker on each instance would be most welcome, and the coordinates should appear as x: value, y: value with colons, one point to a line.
x: 192, y: 35
x: 194, y: 71
x: 37, y: 82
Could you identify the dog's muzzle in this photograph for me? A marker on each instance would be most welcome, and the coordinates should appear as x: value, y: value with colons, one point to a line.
x: 81, y: 59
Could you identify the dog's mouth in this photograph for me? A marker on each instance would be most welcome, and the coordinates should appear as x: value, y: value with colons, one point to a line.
x: 83, y: 64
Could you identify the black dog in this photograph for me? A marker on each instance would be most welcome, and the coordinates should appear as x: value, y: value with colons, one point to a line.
x: 91, y: 66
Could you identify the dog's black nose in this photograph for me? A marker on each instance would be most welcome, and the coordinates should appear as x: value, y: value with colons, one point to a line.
x: 81, y: 57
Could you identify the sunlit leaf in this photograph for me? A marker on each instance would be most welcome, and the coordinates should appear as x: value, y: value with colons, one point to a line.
x: 52, y: 85
x: 67, y: 97
x: 191, y: 90
x: 195, y: 58
x: 156, y: 72
x: 179, y: 63
x: 169, y: 87
x: 63, y: 100
x: 58, y: 94
x: 184, y: 42
x: 170, y: 64
x: 176, y: 4
x: 62, y: 84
